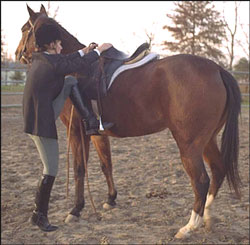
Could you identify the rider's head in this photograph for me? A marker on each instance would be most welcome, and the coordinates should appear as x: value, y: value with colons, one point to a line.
x: 48, y: 38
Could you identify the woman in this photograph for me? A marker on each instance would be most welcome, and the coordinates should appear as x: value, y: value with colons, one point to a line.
x: 45, y: 92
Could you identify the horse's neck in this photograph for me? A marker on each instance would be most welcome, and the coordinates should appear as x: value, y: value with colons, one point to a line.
x: 71, y: 47
x: 70, y: 43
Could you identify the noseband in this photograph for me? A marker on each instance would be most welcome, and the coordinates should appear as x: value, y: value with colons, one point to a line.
x: 23, y: 52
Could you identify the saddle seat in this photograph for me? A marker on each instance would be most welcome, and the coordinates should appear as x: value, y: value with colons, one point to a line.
x: 115, y: 54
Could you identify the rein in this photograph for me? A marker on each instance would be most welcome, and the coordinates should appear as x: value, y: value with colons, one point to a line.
x: 84, y: 159
x: 86, y: 169
x: 68, y: 148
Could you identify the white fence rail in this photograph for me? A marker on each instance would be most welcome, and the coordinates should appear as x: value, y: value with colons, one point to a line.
x: 8, y: 73
x: 8, y: 76
x: 6, y: 80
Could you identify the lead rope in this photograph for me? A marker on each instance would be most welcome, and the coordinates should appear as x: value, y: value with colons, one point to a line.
x: 68, y: 148
x: 86, y: 169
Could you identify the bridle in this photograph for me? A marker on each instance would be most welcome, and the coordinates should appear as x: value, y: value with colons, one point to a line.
x: 22, y: 54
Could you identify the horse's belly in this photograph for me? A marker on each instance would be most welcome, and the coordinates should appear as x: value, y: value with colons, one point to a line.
x: 136, y: 122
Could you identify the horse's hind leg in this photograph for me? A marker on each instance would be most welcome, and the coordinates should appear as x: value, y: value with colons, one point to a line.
x: 213, y: 157
x: 102, y: 146
x: 191, y: 156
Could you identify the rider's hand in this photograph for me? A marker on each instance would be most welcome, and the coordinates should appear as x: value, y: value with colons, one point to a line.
x: 104, y: 47
x: 93, y: 46
x: 89, y: 48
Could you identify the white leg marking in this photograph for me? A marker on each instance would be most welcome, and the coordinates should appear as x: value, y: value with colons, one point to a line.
x: 209, y: 201
x: 208, y: 204
x: 194, y: 222
x: 101, y: 128
x: 107, y: 206
x: 71, y: 218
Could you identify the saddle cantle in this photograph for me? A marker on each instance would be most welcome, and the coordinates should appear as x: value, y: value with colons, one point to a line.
x: 116, y: 59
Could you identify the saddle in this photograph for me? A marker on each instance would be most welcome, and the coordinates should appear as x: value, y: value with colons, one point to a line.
x: 114, y: 54
x: 111, y: 63
x: 113, y: 59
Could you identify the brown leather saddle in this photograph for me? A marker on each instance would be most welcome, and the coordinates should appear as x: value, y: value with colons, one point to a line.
x: 115, y: 54
x: 102, y: 70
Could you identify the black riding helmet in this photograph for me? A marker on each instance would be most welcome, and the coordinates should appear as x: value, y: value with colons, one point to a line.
x: 46, y: 34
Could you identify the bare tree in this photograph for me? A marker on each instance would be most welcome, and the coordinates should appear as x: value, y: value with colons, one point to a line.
x: 232, y: 33
x: 151, y: 35
x: 49, y: 11
x: 3, y: 49
x: 244, y: 42
x: 2, y: 45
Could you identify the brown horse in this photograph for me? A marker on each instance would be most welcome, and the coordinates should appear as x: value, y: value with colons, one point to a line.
x: 191, y: 96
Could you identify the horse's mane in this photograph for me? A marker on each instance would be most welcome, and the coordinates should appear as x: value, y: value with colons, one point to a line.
x: 69, y: 42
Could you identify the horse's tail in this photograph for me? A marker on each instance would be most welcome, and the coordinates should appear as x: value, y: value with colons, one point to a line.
x: 230, y: 136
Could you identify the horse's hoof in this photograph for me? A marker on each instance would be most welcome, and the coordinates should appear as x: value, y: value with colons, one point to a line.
x: 107, y: 206
x: 71, y: 218
x: 181, y: 235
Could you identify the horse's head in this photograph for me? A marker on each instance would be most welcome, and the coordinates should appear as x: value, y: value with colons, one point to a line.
x: 27, y: 43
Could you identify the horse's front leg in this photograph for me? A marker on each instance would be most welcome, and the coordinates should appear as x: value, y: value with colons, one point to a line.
x: 79, y: 172
x: 102, y: 146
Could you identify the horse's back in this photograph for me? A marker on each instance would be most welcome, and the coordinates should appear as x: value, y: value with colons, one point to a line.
x: 184, y: 67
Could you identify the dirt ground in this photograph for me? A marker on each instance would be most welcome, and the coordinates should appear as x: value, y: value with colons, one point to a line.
x: 154, y: 200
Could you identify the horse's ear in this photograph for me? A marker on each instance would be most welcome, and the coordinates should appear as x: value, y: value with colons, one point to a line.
x: 43, y: 10
x: 31, y: 13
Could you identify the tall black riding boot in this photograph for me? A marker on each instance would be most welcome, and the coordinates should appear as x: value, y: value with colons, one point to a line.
x: 40, y: 214
x: 91, y: 124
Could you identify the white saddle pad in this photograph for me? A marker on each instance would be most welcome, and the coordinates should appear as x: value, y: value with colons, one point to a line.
x: 141, y: 62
